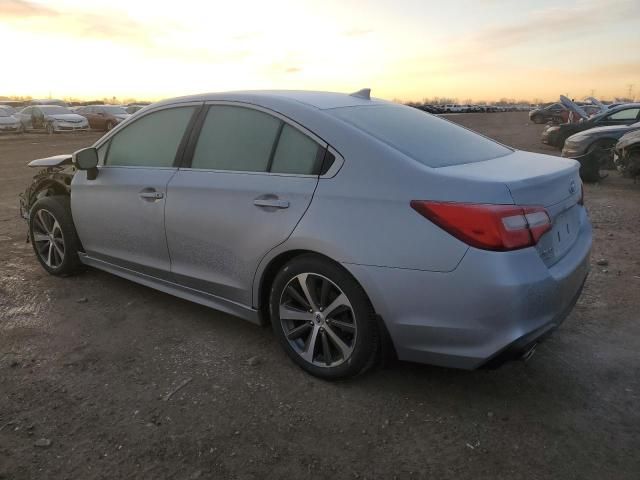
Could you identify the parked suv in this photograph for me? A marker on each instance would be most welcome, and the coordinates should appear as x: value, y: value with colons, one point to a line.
x: 341, y: 220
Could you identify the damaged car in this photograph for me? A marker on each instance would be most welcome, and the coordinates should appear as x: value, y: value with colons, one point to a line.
x: 555, y: 135
x: 52, y: 118
x: 348, y: 224
x: 556, y: 112
x: 593, y: 148
x: 627, y: 155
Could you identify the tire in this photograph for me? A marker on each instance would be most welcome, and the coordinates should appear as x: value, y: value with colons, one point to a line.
x: 590, y: 168
x: 21, y: 129
x: 538, y: 119
x: 108, y: 126
x: 605, y: 155
x: 50, y: 129
x: 349, y: 332
x: 58, y: 252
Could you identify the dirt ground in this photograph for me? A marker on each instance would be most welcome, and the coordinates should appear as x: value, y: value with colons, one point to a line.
x: 87, y: 363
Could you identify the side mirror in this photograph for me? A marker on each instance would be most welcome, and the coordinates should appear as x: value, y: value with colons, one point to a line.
x: 87, y: 159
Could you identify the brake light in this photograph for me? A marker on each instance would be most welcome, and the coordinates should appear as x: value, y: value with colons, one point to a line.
x: 487, y: 226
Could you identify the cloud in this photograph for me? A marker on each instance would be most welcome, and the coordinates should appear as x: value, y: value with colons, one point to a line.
x: 23, y: 9
x: 558, y: 22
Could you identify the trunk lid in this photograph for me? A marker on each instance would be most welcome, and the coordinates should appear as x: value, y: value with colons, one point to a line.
x: 537, y: 180
x: 532, y: 178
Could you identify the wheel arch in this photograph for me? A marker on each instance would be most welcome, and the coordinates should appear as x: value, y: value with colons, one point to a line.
x: 48, y: 187
x: 602, y: 141
x: 264, y: 280
x: 265, y: 277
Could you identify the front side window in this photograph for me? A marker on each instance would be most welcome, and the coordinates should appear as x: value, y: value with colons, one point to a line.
x: 152, y: 141
x: 296, y: 153
x: 236, y: 138
x: 625, y: 115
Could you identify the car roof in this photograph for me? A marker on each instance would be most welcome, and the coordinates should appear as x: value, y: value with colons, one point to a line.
x: 317, y: 100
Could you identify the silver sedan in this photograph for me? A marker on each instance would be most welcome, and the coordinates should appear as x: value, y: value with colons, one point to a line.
x: 349, y: 224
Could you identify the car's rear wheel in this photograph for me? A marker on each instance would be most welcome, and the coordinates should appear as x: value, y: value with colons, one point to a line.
x: 50, y: 129
x: 323, y: 318
x: 53, y: 235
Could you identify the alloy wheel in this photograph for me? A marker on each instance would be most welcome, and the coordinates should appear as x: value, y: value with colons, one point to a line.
x: 48, y: 239
x: 318, y: 320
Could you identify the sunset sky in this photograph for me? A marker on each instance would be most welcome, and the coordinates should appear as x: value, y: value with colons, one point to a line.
x: 404, y: 49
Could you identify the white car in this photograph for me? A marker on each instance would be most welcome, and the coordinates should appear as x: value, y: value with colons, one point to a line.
x: 8, y: 122
x: 53, y: 118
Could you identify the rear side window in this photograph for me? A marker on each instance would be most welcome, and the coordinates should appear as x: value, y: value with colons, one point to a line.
x: 296, y: 153
x: 625, y: 115
x: 236, y: 138
x: 152, y: 141
x: 428, y: 139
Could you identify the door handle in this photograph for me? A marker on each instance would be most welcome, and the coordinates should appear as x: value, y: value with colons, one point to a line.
x: 151, y: 195
x: 271, y: 202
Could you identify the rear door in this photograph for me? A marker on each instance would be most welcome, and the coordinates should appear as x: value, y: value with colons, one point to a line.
x: 119, y: 215
x: 249, y: 179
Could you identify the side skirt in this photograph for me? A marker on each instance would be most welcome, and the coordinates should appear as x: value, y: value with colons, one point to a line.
x: 180, y: 291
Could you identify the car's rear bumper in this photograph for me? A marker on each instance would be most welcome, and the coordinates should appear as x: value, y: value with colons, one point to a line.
x: 493, y: 302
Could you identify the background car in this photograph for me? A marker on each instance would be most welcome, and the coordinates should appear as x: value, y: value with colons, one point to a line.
x: 338, y: 218
x: 593, y: 148
x: 555, y: 135
x: 556, y: 112
x: 131, y: 109
x: 627, y: 154
x: 48, y: 101
x: 103, y: 117
x: 9, y: 109
x: 8, y: 122
x: 52, y: 118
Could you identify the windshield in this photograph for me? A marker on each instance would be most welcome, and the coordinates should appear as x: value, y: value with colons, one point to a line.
x: 54, y: 109
x: 114, y: 110
x: 426, y: 138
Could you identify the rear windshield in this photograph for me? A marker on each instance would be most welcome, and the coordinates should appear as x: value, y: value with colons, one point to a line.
x: 424, y: 137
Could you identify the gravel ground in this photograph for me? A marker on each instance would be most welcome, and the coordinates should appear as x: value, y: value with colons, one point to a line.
x: 103, y: 378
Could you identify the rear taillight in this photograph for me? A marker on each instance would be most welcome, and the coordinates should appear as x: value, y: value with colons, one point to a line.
x: 489, y: 227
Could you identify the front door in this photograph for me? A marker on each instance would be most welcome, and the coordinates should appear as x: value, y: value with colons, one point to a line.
x: 119, y: 215
x: 250, y: 180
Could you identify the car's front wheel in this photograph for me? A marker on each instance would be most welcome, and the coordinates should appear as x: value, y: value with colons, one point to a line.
x: 538, y: 119
x: 53, y: 235
x: 50, y: 128
x: 323, y: 318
